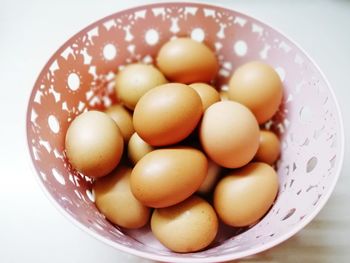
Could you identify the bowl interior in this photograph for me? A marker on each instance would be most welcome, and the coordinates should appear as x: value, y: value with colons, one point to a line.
x: 79, y: 76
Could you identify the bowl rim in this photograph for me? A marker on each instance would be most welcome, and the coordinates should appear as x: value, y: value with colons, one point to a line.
x: 183, y: 259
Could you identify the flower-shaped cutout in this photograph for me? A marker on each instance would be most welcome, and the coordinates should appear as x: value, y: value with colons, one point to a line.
x: 72, y: 80
x: 108, y: 49
x: 149, y: 39
x: 193, y: 23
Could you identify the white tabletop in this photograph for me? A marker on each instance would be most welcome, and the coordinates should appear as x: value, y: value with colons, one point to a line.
x: 31, y: 230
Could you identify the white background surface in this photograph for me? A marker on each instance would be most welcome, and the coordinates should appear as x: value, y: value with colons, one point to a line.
x: 32, y: 230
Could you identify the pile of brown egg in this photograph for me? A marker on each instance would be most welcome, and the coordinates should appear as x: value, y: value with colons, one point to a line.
x: 178, y: 153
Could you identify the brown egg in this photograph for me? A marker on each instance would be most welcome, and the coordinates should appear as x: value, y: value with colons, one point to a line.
x: 166, y: 177
x: 115, y: 200
x: 210, y: 179
x: 167, y: 114
x: 269, y: 148
x: 244, y: 196
x: 137, y: 148
x: 94, y: 144
x: 229, y: 134
x: 135, y: 80
x: 186, y: 227
x: 187, y: 61
x: 123, y: 119
x: 208, y: 94
x: 257, y: 86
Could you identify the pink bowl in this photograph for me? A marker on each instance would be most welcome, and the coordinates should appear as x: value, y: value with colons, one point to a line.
x: 79, y: 76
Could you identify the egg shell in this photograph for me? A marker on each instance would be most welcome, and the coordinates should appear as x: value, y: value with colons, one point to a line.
x: 167, y: 114
x: 207, y: 93
x: 187, y: 61
x: 137, y: 148
x: 123, y: 118
x: 165, y: 177
x: 186, y: 227
x: 113, y: 197
x: 269, y: 148
x: 210, y: 179
x: 258, y: 86
x: 229, y: 134
x: 94, y: 144
x: 243, y: 196
x: 135, y: 80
